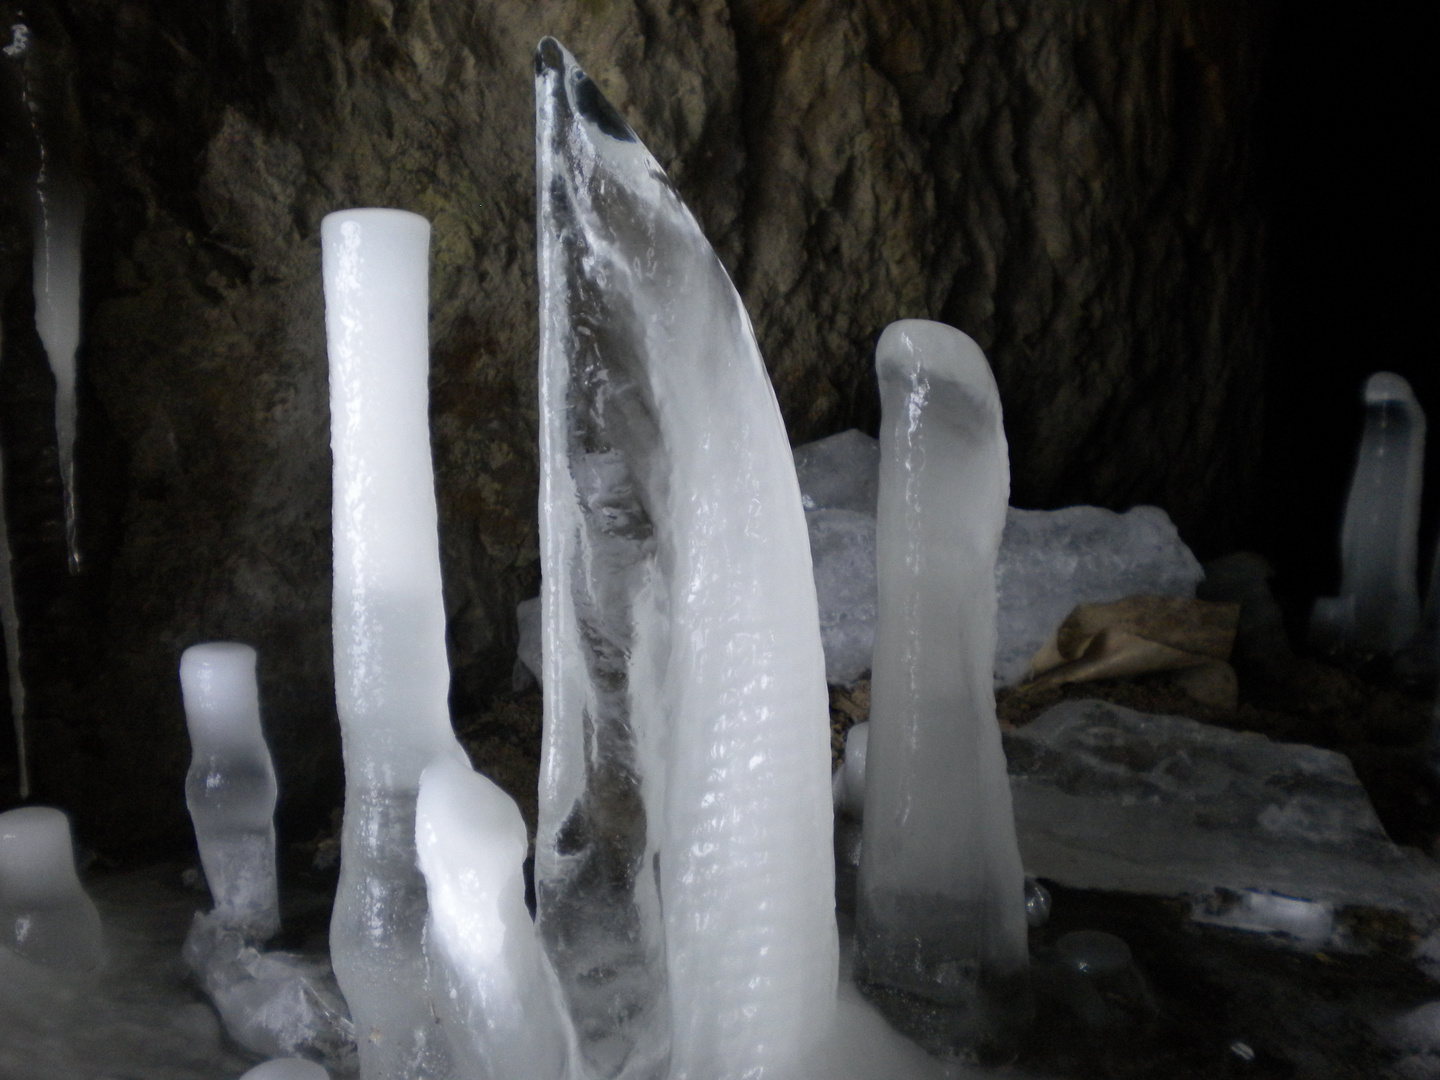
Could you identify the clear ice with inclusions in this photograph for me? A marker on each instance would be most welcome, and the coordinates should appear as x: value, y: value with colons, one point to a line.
x: 684, y: 873
x: 392, y: 677
x: 941, y: 942
x: 45, y: 915
x: 1378, y: 609
x: 230, y: 786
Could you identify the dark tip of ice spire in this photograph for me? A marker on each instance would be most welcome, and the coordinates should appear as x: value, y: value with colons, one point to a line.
x: 585, y: 97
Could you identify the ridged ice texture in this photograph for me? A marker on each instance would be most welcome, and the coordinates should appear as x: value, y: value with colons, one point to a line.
x: 686, y: 723
x: 489, y: 978
x: 230, y: 786
x: 45, y: 915
x: 392, y: 677
x: 941, y: 902
x: 1378, y: 609
x: 59, y: 221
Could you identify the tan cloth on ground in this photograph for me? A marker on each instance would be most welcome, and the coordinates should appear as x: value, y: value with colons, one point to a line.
x: 1144, y: 634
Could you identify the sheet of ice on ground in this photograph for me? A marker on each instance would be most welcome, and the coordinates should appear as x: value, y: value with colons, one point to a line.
x: 839, y: 472
x: 1052, y: 560
x: 686, y: 718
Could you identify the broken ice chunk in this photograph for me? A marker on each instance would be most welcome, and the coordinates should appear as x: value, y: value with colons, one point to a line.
x: 1053, y: 560
x: 839, y: 472
x: 842, y: 548
x: 230, y: 786
x: 45, y: 915
x: 941, y: 907
x: 489, y: 978
x: 1378, y: 609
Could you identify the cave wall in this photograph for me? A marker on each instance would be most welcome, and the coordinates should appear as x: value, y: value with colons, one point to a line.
x: 1070, y: 184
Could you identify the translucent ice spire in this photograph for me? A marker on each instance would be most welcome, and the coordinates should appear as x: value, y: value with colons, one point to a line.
x: 230, y: 787
x: 490, y: 981
x: 45, y: 915
x: 941, y: 933
x: 1378, y: 609
x: 684, y: 868
x: 59, y: 220
x: 392, y: 678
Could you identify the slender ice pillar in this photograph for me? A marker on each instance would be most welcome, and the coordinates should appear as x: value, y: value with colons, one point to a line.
x: 1378, y: 609
x: 59, y: 222
x: 230, y: 787
x: 10, y: 628
x: 45, y: 915
x: 391, y: 674
x: 489, y: 978
x: 941, y: 932
x: 683, y: 864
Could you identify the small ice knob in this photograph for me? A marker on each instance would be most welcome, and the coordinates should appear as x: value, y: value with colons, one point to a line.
x: 45, y: 915
x: 1037, y: 903
x: 230, y: 788
x: 287, y: 1069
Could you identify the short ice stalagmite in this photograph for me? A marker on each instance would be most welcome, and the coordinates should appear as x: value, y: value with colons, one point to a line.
x: 941, y: 930
x: 230, y: 786
x: 45, y: 915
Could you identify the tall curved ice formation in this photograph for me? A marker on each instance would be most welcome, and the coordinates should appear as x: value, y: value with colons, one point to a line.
x: 1378, y: 609
x: 392, y: 678
x: 941, y: 933
x: 684, y: 868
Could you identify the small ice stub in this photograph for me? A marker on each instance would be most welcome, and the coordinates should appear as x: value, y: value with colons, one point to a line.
x: 59, y: 224
x: 490, y: 980
x: 941, y: 939
x: 683, y: 865
x: 291, y: 1068
x: 392, y: 677
x: 45, y: 915
x: 230, y: 786
x: 1378, y: 609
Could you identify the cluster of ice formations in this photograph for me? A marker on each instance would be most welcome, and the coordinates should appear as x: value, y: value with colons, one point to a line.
x: 392, y: 677
x: 940, y: 917
x: 686, y: 729
x: 45, y: 915
x: 1378, y: 609
x: 230, y: 786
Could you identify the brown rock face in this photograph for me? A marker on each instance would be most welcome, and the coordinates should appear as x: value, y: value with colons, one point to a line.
x: 1067, y: 183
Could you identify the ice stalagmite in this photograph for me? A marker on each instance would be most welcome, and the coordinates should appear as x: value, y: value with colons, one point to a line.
x: 1378, y: 609
x: 941, y: 934
x: 230, y: 786
x: 684, y: 868
x: 59, y: 218
x: 489, y: 978
x: 45, y: 915
x: 392, y: 678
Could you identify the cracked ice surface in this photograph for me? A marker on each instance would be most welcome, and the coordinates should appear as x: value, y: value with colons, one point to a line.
x: 686, y: 723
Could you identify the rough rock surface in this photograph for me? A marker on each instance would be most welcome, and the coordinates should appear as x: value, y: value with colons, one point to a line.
x: 1069, y: 184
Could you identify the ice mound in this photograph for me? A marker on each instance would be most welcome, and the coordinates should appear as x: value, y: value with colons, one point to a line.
x: 839, y: 472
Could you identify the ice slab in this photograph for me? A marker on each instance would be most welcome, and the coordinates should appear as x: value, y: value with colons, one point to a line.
x: 230, y: 786
x: 490, y: 981
x: 940, y: 912
x: 839, y: 472
x: 275, y: 1004
x: 45, y: 915
x: 686, y: 750
x: 1110, y: 798
x: 842, y: 548
x: 1052, y: 560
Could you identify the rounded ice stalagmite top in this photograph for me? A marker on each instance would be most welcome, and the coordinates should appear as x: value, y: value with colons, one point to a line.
x: 217, y: 683
x: 287, y: 1069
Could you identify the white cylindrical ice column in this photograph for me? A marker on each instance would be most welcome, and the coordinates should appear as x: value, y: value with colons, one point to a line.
x: 45, y: 915
x: 489, y: 978
x: 392, y: 678
x: 1378, y: 609
x: 941, y: 934
x: 230, y: 787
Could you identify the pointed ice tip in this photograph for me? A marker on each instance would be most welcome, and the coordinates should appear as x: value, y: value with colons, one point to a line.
x: 585, y: 98
x: 1385, y: 387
